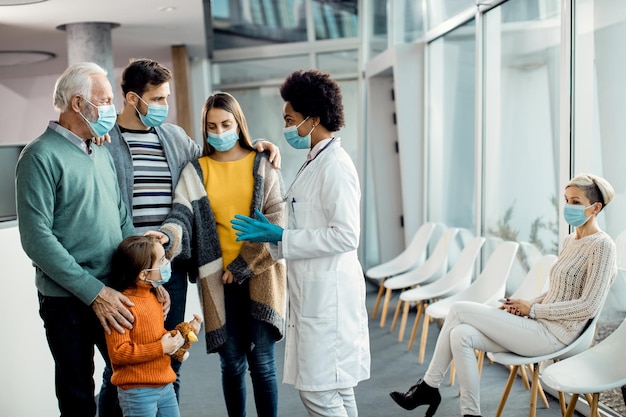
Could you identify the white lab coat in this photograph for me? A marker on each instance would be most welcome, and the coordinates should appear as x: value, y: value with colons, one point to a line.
x: 327, y: 340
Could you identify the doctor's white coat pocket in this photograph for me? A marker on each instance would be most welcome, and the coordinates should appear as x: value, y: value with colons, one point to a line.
x: 319, y: 294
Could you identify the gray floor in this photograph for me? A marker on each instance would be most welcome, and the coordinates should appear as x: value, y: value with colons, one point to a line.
x: 393, y: 368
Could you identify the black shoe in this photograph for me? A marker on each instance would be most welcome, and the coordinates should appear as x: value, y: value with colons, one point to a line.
x: 419, y: 394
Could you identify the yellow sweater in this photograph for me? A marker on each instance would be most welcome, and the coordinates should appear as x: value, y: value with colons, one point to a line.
x: 137, y: 355
x: 229, y: 186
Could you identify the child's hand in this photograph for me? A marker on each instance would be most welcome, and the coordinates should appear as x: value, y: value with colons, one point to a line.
x: 195, y: 323
x: 172, y: 343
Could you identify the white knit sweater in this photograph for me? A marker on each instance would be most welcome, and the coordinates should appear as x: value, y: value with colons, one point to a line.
x: 579, y: 283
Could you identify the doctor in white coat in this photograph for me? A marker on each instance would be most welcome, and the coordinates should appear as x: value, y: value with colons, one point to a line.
x: 327, y: 341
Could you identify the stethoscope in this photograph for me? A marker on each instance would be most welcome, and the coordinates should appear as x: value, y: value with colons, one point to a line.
x: 304, y: 165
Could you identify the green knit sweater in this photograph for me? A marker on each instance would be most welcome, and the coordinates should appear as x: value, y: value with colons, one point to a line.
x: 70, y: 214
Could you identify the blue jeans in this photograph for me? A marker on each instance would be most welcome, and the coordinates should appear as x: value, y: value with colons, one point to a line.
x: 149, y: 402
x: 72, y: 330
x: 251, y: 343
x: 177, y: 288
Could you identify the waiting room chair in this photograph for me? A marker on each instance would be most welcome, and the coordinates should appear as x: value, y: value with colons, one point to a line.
x: 435, y: 266
x: 599, y: 368
x: 458, y: 278
x: 488, y: 287
x: 410, y: 258
x: 515, y: 361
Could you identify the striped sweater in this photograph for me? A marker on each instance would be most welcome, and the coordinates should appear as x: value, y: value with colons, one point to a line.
x: 579, y: 283
x: 193, y: 237
x: 137, y: 355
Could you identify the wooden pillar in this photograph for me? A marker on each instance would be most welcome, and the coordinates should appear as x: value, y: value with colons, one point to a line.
x: 180, y: 63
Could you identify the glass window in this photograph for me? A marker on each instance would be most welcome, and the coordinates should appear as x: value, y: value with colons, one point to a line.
x: 451, y: 144
x: 441, y: 10
x: 341, y: 62
x: 335, y: 20
x: 521, y: 186
x: 257, y: 22
x: 600, y: 100
x: 258, y: 69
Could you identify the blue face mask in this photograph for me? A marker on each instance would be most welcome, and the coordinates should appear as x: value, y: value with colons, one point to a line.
x: 166, y: 274
x: 156, y: 114
x: 575, y: 214
x: 223, y: 142
x: 107, y: 117
x: 294, y: 139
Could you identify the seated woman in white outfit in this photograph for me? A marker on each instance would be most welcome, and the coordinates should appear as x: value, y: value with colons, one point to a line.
x: 579, y: 281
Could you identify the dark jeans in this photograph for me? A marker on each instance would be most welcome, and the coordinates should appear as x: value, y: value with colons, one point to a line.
x: 177, y: 288
x: 72, y: 330
x: 251, y: 343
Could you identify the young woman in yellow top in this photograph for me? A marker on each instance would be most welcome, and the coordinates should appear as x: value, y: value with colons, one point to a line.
x: 242, y: 288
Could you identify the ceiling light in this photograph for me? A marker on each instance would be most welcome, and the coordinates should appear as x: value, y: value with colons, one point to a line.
x: 167, y: 9
x: 19, y: 2
x: 15, y: 58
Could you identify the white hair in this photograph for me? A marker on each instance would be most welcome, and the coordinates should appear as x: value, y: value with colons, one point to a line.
x: 76, y: 79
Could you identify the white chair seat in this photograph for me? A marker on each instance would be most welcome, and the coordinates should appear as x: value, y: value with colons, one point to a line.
x: 409, y: 259
x: 513, y: 360
x: 457, y: 279
x: 597, y: 369
x: 434, y: 267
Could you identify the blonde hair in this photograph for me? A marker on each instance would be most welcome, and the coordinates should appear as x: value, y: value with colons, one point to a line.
x: 596, y: 189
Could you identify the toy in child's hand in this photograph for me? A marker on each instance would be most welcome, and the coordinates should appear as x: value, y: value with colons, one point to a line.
x: 189, y: 335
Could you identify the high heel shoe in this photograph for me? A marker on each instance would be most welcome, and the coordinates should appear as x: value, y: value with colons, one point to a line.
x: 419, y: 394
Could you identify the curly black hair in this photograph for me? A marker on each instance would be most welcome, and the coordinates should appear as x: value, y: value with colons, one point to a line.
x: 313, y: 93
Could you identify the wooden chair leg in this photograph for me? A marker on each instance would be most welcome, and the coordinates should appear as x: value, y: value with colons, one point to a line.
x: 405, y: 316
x: 542, y: 394
x: 395, y: 316
x: 383, y: 314
x: 452, y: 373
x: 507, y: 390
x: 524, y: 377
x: 379, y: 297
x: 562, y: 403
x: 592, y: 400
x: 416, y: 323
x: 481, y: 361
x: 424, y: 337
x: 534, y: 388
x: 572, y: 406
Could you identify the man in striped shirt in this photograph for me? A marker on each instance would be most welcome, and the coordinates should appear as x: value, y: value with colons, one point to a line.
x: 149, y: 156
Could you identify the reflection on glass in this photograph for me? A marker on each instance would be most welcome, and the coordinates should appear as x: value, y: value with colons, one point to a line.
x: 451, y: 84
x: 441, y: 10
x: 600, y: 100
x: 257, y: 22
x: 257, y: 69
x: 341, y: 62
x: 521, y: 128
x: 335, y: 20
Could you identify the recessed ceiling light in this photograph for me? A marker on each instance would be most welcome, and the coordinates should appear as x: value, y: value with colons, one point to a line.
x: 167, y: 9
x: 15, y: 58
x: 19, y: 2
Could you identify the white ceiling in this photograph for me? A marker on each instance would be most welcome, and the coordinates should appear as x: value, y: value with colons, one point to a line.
x: 146, y: 30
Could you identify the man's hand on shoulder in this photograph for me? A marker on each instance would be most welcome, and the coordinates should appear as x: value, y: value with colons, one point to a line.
x: 111, y: 307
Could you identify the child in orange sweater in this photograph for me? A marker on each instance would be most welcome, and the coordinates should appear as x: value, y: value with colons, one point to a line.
x: 141, y: 367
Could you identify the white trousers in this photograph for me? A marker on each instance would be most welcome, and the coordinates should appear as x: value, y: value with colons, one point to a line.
x: 332, y: 403
x: 470, y: 326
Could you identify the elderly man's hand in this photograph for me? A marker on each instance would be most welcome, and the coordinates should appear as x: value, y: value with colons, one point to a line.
x: 111, y: 308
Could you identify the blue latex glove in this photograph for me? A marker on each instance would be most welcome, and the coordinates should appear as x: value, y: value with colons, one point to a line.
x: 256, y: 230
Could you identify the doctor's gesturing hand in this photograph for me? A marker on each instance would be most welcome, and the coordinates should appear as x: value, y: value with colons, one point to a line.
x: 256, y: 230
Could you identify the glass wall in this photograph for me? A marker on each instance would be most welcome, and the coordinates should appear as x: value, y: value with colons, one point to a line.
x: 521, y: 187
x: 599, y: 90
x: 600, y: 100
x: 451, y: 118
